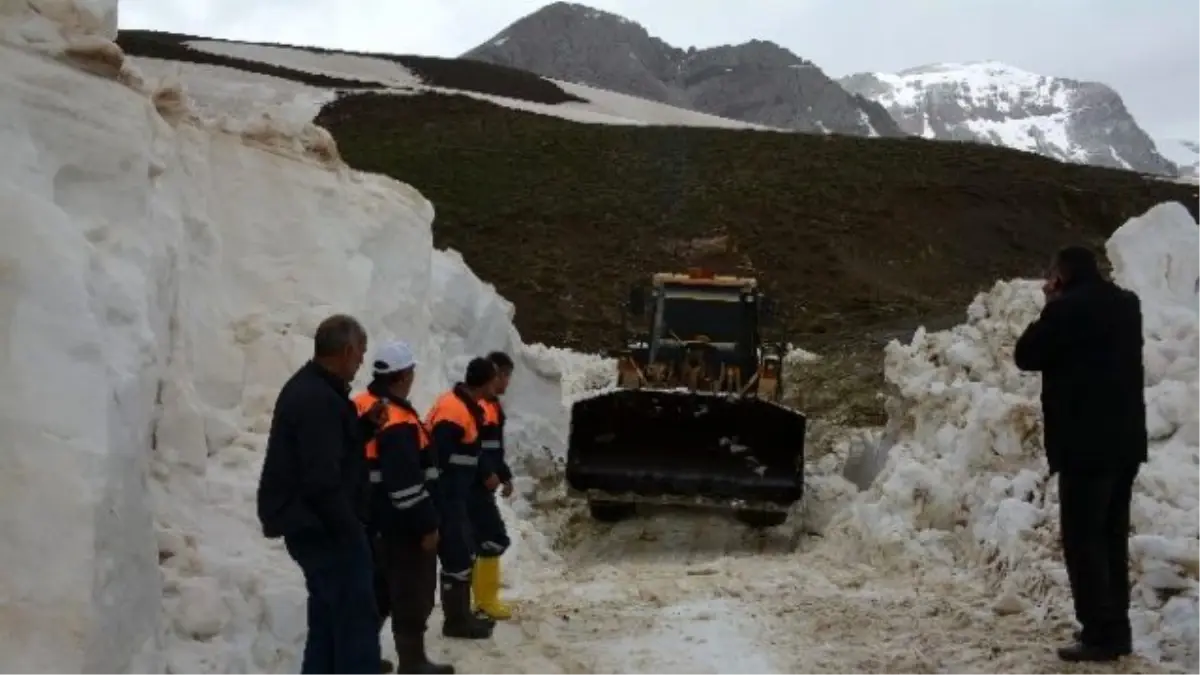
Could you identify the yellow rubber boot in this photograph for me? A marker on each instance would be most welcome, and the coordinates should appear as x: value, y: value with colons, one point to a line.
x: 485, y: 586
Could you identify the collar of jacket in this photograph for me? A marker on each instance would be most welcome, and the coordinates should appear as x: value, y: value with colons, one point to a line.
x: 1083, y: 281
x: 379, y: 390
x: 338, y: 384
x: 460, y: 390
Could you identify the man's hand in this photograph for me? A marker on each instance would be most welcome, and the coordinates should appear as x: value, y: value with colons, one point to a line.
x: 506, y: 490
x: 1052, y: 288
x: 492, y: 482
x: 429, y: 542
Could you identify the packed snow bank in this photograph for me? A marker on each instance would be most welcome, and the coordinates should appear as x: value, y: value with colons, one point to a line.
x: 161, y: 279
x: 55, y: 25
x: 966, y: 482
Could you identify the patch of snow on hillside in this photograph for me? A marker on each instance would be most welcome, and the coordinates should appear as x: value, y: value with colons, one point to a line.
x: 603, y: 107
x: 162, y: 279
x: 866, y: 120
x: 334, y: 64
x: 966, y: 483
x: 643, y: 111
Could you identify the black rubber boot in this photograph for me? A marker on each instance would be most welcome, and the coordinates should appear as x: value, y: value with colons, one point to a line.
x: 460, y: 622
x: 1081, y: 652
x: 1123, y: 647
x: 413, y: 659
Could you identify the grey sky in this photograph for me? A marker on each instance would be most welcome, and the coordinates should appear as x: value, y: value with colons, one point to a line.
x: 1148, y: 50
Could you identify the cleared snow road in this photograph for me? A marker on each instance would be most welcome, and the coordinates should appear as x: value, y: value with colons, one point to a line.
x: 680, y: 592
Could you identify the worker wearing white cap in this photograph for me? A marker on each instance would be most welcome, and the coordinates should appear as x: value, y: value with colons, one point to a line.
x: 403, y: 474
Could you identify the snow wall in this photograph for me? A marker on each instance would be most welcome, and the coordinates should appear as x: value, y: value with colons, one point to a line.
x: 159, y: 279
x: 966, y: 482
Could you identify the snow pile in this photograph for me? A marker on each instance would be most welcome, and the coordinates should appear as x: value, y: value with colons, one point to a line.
x: 161, y: 279
x: 966, y: 482
x: 582, y: 373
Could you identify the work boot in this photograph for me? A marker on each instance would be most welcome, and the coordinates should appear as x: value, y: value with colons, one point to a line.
x: 1080, y: 652
x: 485, y: 584
x: 460, y: 622
x: 1121, y: 647
x: 412, y: 657
x: 385, y: 666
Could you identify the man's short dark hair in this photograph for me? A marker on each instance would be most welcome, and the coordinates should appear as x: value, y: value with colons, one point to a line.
x: 479, y: 372
x: 502, y: 361
x: 1077, y: 263
x: 336, y: 333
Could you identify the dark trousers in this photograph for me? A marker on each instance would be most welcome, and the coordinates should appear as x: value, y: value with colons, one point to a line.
x: 456, y: 549
x: 406, y: 584
x: 1094, y: 515
x: 343, y: 623
x: 383, y: 593
x: 487, y: 526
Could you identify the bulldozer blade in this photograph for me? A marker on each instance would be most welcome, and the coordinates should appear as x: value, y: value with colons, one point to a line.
x: 681, y: 447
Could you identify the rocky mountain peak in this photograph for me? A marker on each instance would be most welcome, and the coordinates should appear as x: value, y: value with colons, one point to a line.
x: 756, y: 81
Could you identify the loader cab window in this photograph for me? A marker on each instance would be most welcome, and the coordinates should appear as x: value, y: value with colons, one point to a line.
x: 686, y: 313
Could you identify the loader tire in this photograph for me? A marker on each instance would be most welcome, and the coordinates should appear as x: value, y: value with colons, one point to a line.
x: 762, y: 519
x: 611, y: 512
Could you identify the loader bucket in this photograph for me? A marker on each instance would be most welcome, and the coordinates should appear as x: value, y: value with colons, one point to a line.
x: 678, y: 446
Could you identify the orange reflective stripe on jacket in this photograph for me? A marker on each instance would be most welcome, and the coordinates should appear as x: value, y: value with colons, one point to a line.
x: 450, y: 408
x: 395, y: 415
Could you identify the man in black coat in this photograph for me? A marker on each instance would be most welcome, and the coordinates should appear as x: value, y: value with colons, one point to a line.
x: 311, y: 494
x: 1087, y: 344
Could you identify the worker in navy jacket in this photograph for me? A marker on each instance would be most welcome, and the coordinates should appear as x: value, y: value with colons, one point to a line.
x: 403, y: 478
x: 454, y: 421
x: 491, y: 536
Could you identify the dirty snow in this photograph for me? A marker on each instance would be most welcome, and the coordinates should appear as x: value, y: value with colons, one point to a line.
x: 170, y: 253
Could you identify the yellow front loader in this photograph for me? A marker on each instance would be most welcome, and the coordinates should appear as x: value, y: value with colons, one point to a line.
x: 696, y: 417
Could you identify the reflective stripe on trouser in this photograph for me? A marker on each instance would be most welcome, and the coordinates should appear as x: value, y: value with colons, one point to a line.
x: 490, y: 536
x: 455, y: 547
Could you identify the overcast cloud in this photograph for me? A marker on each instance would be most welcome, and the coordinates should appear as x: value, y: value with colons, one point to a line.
x: 1147, y: 50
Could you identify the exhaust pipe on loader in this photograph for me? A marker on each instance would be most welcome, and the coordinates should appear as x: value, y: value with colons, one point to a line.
x: 680, y: 447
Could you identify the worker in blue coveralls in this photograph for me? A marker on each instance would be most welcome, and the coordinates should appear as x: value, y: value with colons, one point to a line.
x: 491, y: 537
x: 454, y: 422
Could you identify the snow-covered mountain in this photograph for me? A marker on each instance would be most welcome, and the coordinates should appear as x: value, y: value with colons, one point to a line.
x: 757, y: 81
x: 1184, y: 153
x: 991, y: 102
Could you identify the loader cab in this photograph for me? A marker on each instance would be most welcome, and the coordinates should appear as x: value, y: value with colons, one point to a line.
x: 726, y: 313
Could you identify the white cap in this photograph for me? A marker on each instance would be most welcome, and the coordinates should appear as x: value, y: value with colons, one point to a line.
x: 393, y: 357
